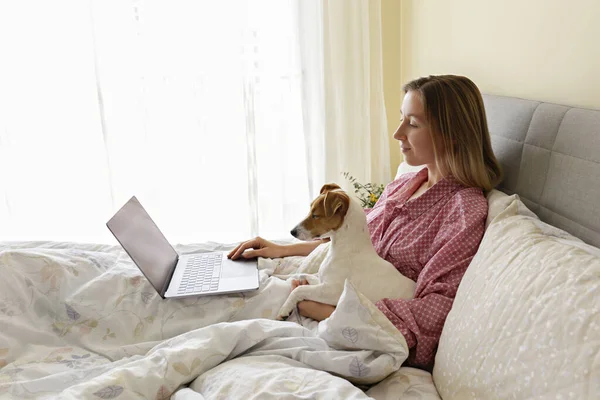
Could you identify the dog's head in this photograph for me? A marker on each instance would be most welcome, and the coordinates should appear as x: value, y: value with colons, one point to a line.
x: 327, y: 213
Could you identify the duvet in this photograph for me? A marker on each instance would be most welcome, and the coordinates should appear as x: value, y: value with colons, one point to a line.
x: 79, y: 321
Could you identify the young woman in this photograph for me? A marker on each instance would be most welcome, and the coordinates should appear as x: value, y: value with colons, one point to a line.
x: 428, y: 224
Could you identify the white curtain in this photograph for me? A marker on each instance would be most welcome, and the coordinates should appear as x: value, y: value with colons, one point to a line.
x: 223, y: 117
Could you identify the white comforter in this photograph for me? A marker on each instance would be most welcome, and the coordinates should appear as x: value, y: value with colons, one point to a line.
x: 80, y: 321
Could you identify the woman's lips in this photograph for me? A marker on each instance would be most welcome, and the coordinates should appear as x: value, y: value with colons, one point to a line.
x: 404, y: 149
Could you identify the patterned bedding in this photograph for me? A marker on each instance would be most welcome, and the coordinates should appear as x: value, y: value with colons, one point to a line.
x: 80, y: 321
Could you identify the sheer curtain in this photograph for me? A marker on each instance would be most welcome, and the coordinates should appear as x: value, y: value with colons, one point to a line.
x: 223, y: 117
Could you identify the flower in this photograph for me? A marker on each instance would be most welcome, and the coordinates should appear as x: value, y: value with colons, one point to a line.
x: 368, y: 194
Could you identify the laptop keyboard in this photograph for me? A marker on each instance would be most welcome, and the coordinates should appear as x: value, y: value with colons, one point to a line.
x: 202, y: 274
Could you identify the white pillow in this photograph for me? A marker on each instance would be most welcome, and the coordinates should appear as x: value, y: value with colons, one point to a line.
x: 403, y: 168
x: 526, y: 319
x: 497, y: 202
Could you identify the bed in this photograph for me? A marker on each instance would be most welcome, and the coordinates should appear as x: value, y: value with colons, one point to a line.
x: 80, y: 321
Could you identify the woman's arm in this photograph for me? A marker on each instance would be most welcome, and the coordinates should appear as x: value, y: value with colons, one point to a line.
x: 314, y: 310
x: 264, y: 248
x: 303, y: 248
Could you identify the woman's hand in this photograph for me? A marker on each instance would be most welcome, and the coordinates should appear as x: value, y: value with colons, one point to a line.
x: 261, y: 248
x: 312, y: 309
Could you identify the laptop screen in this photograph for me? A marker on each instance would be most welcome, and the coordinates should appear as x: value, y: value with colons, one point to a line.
x: 145, y: 243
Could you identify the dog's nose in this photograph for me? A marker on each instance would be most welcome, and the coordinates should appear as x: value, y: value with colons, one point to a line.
x: 294, y: 232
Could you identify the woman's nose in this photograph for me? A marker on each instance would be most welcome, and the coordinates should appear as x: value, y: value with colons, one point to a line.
x: 399, y: 134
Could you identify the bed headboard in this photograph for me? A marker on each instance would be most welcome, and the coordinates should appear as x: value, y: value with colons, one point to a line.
x: 551, y: 158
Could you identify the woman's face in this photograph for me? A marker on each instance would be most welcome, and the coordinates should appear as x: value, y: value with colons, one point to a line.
x: 413, y: 132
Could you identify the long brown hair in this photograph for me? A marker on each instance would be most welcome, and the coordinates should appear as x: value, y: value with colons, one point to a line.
x: 456, y: 114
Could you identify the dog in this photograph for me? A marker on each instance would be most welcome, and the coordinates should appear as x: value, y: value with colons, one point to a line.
x: 333, y: 214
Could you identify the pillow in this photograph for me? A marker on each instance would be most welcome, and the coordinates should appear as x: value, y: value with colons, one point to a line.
x: 497, y: 202
x: 404, y: 168
x: 525, y: 321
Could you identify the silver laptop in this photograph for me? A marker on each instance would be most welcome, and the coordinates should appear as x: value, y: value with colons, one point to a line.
x: 171, y: 274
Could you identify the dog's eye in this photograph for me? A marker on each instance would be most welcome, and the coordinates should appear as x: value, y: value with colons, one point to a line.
x: 315, y: 216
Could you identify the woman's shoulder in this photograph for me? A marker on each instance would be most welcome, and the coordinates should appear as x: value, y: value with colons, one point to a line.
x: 468, y: 202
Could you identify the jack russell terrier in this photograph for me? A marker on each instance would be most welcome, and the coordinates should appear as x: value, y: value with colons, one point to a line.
x: 335, y: 215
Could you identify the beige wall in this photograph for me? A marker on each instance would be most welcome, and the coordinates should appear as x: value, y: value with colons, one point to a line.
x: 392, y: 78
x: 545, y: 50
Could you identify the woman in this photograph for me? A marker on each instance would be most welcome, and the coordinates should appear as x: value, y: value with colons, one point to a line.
x: 428, y: 224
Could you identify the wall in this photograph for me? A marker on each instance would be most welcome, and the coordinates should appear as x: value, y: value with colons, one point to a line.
x: 545, y: 50
x: 392, y: 78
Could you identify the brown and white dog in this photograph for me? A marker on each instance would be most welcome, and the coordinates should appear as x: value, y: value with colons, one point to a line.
x: 351, y: 255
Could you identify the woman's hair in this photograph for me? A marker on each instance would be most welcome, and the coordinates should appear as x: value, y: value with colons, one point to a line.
x: 456, y: 115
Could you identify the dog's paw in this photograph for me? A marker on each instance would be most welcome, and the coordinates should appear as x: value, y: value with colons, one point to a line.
x: 285, y: 310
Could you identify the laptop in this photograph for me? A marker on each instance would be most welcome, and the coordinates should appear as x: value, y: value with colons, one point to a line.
x: 172, y: 274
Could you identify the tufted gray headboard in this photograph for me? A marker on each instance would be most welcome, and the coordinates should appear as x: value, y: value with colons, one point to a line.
x: 551, y: 159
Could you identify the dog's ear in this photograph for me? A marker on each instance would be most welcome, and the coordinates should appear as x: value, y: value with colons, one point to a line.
x: 328, y: 187
x: 336, y: 202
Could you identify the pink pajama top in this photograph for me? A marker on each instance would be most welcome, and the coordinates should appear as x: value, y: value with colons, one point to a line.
x: 431, y: 240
